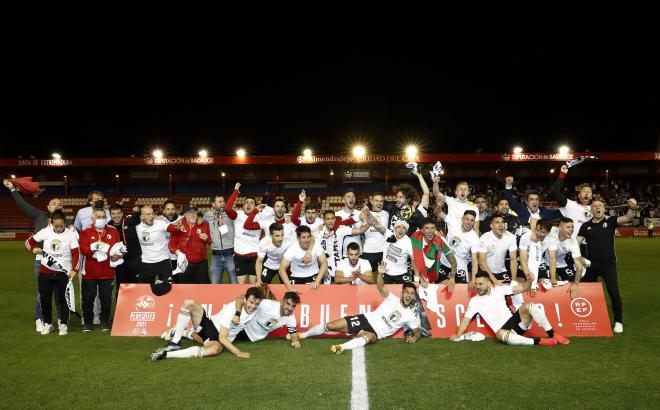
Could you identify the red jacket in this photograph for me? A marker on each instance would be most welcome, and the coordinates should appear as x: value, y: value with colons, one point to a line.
x: 188, y: 240
x: 93, y: 268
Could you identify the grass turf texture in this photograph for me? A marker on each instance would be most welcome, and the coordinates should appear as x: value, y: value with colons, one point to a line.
x: 96, y: 370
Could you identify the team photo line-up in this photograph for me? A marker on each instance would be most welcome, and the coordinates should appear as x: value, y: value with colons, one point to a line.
x: 515, y: 247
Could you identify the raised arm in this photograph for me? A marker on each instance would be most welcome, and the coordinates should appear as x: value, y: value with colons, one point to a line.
x: 380, y: 284
x: 557, y: 191
x: 229, y: 206
x: 628, y: 217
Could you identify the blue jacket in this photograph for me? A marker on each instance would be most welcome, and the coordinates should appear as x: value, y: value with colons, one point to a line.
x: 522, y: 211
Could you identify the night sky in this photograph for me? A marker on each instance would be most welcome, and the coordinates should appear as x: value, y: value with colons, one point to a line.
x: 276, y: 80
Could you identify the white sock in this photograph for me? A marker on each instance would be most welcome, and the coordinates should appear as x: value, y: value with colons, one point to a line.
x: 314, y: 331
x: 514, y: 339
x: 181, y: 324
x: 538, y: 314
x: 355, y: 343
x: 195, y: 351
x: 517, y: 300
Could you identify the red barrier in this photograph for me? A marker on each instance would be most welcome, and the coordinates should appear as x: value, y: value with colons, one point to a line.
x: 140, y: 313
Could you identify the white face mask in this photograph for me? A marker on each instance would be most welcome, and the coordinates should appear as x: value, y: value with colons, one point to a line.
x: 99, y: 223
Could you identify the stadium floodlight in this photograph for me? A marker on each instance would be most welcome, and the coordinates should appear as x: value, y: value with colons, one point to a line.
x: 332, y: 172
x: 307, y: 153
x: 411, y: 152
x: 240, y: 153
x: 116, y: 175
x: 517, y: 150
x: 552, y: 170
x: 157, y: 153
x: 359, y: 151
x: 564, y: 149
x: 223, y: 174
x: 56, y: 155
x: 13, y: 176
x: 203, y: 153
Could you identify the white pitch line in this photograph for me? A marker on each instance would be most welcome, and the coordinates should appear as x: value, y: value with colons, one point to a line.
x: 359, y: 392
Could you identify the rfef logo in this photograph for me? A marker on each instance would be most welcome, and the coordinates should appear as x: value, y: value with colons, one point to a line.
x: 581, y: 307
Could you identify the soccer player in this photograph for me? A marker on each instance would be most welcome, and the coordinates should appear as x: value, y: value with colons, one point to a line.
x: 214, y: 333
x: 532, y: 207
x: 246, y: 241
x: 397, y: 251
x: 465, y: 244
x: 311, y: 219
x: 482, y: 205
x: 271, y: 248
x: 375, y: 239
x: 311, y: 272
x: 532, y: 248
x: 493, y: 249
x: 403, y: 206
x: 353, y: 269
x: 347, y: 212
x: 509, y: 328
x: 565, y: 260
x: 458, y: 205
x: 263, y: 216
x: 511, y: 222
x: 386, y: 320
x: 579, y: 211
x: 428, y: 246
x: 155, y: 257
x: 60, y: 257
x: 271, y: 315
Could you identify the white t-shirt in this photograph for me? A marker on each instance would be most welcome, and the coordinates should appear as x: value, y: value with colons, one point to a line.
x: 223, y: 319
x: 391, y: 316
x: 268, y: 318
x: 349, y: 238
x: 272, y: 253
x: 536, y: 251
x: 578, y: 213
x: 332, y: 245
x: 153, y: 241
x: 295, y: 254
x: 396, y: 255
x: 564, y: 247
x: 314, y: 225
x: 363, y: 266
x: 492, y: 307
x: 246, y: 241
x: 374, y: 240
x: 496, y: 249
x: 463, y: 244
x: 456, y: 209
x: 58, y: 245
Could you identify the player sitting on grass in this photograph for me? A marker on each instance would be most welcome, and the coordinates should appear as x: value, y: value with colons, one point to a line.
x: 509, y: 328
x: 215, y: 333
x: 386, y: 320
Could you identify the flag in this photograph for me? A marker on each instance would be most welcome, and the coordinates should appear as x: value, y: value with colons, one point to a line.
x: 432, y: 250
x: 25, y: 184
x: 70, y: 296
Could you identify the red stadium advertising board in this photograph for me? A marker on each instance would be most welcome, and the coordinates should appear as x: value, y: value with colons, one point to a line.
x: 141, y: 313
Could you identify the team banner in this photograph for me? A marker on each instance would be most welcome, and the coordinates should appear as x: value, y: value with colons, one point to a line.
x: 141, y: 313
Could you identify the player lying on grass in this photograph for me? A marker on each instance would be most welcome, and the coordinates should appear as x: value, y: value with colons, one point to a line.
x: 214, y: 334
x: 509, y: 328
x: 386, y: 320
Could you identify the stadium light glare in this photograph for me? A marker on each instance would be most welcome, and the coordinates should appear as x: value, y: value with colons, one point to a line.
x: 517, y: 150
x: 157, y: 153
x: 13, y: 176
x: 332, y: 172
x: 564, y: 149
x: 116, y: 175
x: 411, y: 152
x: 203, y: 153
x: 552, y: 170
x: 223, y: 174
x: 307, y: 153
x: 359, y: 151
x: 56, y: 155
x: 240, y: 153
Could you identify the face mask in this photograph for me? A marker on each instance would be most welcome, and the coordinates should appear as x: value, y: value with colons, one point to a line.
x: 99, y: 223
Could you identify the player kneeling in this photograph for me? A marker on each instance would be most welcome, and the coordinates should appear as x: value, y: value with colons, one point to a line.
x: 490, y: 304
x: 386, y: 320
x: 213, y: 334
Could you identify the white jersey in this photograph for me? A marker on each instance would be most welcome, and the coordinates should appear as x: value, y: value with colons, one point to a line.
x: 223, y: 319
x: 312, y: 226
x: 268, y: 318
x: 58, y: 245
x: 246, y: 241
x: 578, y: 213
x: 396, y: 255
x: 272, y: 253
x: 153, y: 241
x: 536, y: 251
x: 350, y: 238
x: 266, y: 218
x: 565, y: 247
x: 391, y: 316
x: 295, y: 254
x: 345, y: 267
x: 332, y: 245
x: 456, y: 209
x: 496, y: 249
x: 491, y: 307
x: 375, y: 241
x: 463, y: 244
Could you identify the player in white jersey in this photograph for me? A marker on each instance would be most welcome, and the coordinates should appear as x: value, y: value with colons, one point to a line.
x: 533, y: 248
x: 457, y: 207
x: 490, y: 304
x: 152, y: 235
x: 353, y: 269
x: 579, y: 211
x: 332, y: 238
x: 246, y: 241
x: 350, y: 212
x: 396, y: 254
x: 493, y: 248
x: 374, y: 239
x: 465, y: 243
x: 303, y: 269
x: 386, y: 320
x: 272, y: 315
x: 311, y: 218
x: 565, y: 258
x: 271, y: 248
x: 213, y: 333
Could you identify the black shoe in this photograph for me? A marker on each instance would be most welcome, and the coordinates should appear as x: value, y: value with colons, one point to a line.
x: 158, y: 355
x: 87, y: 328
x: 105, y: 327
x: 170, y: 347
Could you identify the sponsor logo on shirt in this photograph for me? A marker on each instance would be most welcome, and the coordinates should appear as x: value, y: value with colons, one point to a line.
x: 55, y: 245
